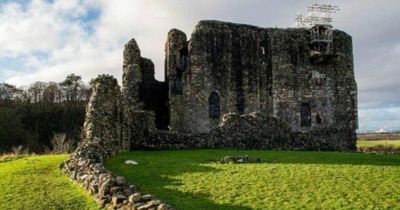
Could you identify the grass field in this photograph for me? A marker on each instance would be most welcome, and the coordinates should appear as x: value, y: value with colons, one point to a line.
x: 187, y: 180
x: 369, y: 143
x: 291, y: 180
x: 36, y: 182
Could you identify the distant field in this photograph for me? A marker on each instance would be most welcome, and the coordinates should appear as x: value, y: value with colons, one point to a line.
x: 371, y: 143
x: 36, y: 182
x: 291, y: 180
x: 378, y: 136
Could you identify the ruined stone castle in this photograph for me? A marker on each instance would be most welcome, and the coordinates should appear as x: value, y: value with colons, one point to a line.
x: 228, y: 86
x: 302, y: 77
x: 232, y: 86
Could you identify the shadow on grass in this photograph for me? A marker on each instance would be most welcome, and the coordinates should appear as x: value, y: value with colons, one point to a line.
x: 194, y: 201
x: 156, y: 178
x: 157, y: 167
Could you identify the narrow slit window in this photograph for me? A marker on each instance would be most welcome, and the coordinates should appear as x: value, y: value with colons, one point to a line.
x: 305, y: 115
x: 214, y: 107
x: 318, y: 119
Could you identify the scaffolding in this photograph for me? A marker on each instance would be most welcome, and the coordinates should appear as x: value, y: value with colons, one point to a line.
x: 319, y: 21
x: 322, y: 38
x: 317, y: 14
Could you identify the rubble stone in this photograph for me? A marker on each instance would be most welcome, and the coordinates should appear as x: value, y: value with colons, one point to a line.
x: 102, y: 132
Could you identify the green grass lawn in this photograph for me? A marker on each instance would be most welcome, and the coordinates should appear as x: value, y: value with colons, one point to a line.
x: 291, y: 180
x: 365, y: 143
x: 36, y: 182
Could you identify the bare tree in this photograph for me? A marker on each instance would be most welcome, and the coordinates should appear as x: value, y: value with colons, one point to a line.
x: 61, y: 144
x: 36, y: 91
x: 51, y: 93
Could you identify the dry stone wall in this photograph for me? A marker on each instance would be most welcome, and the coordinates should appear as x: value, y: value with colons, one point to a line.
x: 102, y: 132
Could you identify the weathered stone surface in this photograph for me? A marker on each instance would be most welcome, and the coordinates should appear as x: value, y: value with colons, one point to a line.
x: 103, y: 113
x: 176, y: 63
x: 254, y: 130
x: 134, y: 198
x: 149, y: 205
x: 162, y: 207
x: 102, y: 140
x: 228, y: 69
x: 266, y: 70
x: 141, y: 92
x: 118, y: 199
x: 131, y: 78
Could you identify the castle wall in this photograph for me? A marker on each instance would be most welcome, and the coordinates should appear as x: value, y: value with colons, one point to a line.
x: 328, y: 87
x: 102, y: 120
x: 266, y: 70
x: 232, y: 68
x: 176, y: 65
x: 154, y: 95
x: 142, y: 95
x: 232, y: 61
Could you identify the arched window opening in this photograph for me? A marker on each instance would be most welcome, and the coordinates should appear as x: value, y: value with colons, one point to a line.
x: 305, y: 111
x: 213, y: 105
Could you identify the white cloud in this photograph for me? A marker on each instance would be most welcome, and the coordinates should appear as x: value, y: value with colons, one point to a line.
x: 41, y: 26
x: 56, y: 31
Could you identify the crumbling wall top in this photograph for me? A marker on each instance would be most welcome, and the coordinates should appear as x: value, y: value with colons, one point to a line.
x: 131, y: 53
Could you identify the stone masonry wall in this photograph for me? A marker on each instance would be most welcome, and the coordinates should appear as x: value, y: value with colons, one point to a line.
x: 266, y: 70
x: 102, y: 120
x: 231, y: 60
x: 329, y: 87
x: 131, y: 78
x: 175, y: 71
x: 141, y: 92
x: 251, y: 131
x: 102, y: 139
x: 154, y: 95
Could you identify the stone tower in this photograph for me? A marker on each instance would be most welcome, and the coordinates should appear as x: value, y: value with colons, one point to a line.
x: 176, y: 64
x: 245, y: 69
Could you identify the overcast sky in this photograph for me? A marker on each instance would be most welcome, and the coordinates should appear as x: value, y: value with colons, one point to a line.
x: 45, y: 40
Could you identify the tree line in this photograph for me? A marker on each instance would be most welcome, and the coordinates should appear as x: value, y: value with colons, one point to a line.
x: 31, y: 116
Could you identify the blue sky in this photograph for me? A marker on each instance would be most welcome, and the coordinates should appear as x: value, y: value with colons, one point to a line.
x: 45, y: 40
